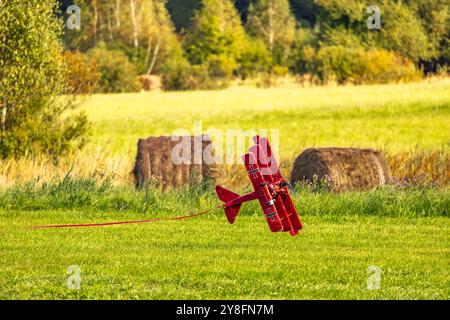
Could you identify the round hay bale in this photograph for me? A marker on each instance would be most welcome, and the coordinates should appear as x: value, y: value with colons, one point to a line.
x: 341, y: 168
x: 150, y: 83
x: 173, y: 161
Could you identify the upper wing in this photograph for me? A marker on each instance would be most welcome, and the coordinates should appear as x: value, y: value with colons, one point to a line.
x: 266, y: 156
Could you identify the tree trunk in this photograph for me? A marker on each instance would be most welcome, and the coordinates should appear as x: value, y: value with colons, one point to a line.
x: 95, y: 21
x: 134, y: 23
x: 155, y: 56
x: 271, y: 28
x: 3, y: 108
x: 109, y: 23
x: 3, y: 127
x: 149, y: 52
x: 117, y: 13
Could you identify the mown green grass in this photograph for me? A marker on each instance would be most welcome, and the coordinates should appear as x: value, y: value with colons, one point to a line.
x: 405, y: 232
x: 207, y: 258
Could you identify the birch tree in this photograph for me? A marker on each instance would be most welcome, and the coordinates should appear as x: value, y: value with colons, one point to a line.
x: 144, y: 26
x: 272, y: 21
x: 32, y: 81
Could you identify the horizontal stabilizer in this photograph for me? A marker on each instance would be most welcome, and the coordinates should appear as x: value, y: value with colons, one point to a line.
x: 225, y: 195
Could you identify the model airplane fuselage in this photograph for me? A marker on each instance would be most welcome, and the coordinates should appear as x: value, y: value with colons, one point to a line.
x: 271, y: 189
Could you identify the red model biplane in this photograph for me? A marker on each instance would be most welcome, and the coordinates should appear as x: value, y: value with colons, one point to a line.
x: 271, y: 189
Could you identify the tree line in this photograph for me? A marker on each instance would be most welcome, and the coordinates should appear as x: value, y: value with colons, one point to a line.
x: 196, y: 44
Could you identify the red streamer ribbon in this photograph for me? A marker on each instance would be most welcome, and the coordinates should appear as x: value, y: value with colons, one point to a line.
x: 89, y: 225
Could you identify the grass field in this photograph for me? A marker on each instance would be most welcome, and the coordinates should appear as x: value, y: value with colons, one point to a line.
x: 205, y: 258
x: 392, y: 117
x: 403, y: 230
x: 401, y: 118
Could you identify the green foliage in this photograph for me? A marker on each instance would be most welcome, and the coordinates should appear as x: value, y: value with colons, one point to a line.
x: 211, y: 30
x: 304, y: 52
x: 340, y: 37
x: 83, y: 39
x: 212, y: 75
x: 142, y: 29
x: 279, y: 71
x: 403, y: 32
x: 305, y: 12
x: 382, y: 66
x: 214, y: 45
x: 304, y: 60
x: 346, y: 11
x: 221, y: 66
x: 416, y: 29
x: 201, y: 78
x: 81, y: 74
x: 272, y: 21
x: 358, y: 65
x: 32, y: 79
x: 160, y: 41
x: 434, y: 16
x: 175, y: 74
x: 255, y: 59
x: 216, y: 31
x: 117, y: 73
x: 339, y: 63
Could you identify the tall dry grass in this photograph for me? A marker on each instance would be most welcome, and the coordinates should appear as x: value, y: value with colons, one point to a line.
x: 42, y: 169
x: 421, y: 168
x: 418, y: 168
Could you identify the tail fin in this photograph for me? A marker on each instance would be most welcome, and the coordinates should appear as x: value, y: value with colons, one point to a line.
x: 227, y: 196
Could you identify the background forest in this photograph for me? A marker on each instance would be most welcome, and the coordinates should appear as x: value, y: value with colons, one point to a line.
x: 204, y: 44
